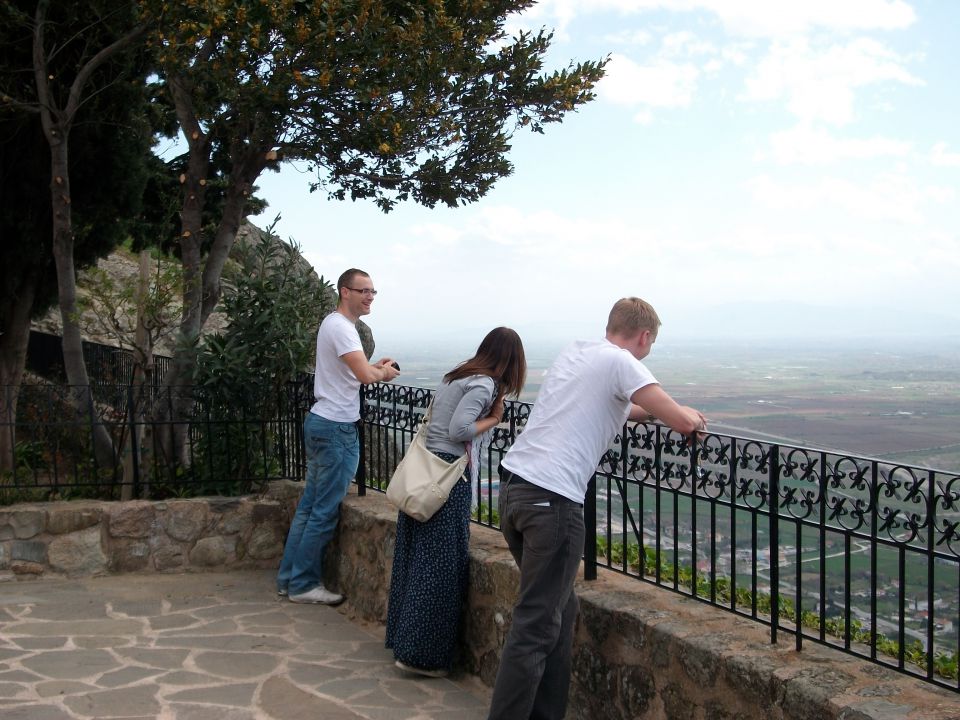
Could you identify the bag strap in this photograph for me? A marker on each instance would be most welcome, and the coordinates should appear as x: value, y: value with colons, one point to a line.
x: 427, y: 415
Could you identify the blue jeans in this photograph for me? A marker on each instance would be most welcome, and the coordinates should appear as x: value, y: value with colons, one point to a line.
x: 545, y: 534
x: 333, y: 453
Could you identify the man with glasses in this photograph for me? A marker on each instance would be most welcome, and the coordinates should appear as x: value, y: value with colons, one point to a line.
x: 587, y: 395
x: 331, y: 439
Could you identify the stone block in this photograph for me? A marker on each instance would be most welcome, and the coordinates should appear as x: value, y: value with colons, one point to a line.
x: 265, y: 542
x: 25, y: 567
x: 236, y: 519
x: 700, y: 658
x: 21, y: 523
x: 263, y: 512
x: 65, y: 518
x: 223, y: 504
x: 284, y: 492
x: 131, y: 519
x: 169, y: 556
x: 128, y: 554
x: 213, y: 551
x: 29, y: 550
x: 79, y: 553
x: 677, y: 704
x: 5, y: 555
x: 185, y: 520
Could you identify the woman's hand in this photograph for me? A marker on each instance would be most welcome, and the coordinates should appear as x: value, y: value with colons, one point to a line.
x: 493, y: 419
x: 496, y: 410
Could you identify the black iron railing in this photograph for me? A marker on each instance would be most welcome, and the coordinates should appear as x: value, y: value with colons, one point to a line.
x: 106, y: 364
x: 856, y: 553
x: 115, y: 442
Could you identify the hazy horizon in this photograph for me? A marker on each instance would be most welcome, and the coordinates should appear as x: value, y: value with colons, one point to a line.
x: 750, y: 168
x: 886, y: 399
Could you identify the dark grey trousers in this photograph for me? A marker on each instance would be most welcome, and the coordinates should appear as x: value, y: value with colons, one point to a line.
x: 545, y: 534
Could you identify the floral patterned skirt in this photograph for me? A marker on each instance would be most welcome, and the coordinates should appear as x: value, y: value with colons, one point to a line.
x: 429, y: 583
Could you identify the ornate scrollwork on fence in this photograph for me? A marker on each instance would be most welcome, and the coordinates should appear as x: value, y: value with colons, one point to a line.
x: 902, y: 501
x: 799, y: 486
x: 849, y: 496
x: 752, y: 482
x: 712, y: 458
x: 947, y: 523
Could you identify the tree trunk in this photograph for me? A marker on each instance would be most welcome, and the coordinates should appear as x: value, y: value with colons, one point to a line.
x: 73, y: 363
x: 136, y: 463
x: 173, y: 445
x: 247, y: 165
x: 13, y: 356
x: 57, y: 122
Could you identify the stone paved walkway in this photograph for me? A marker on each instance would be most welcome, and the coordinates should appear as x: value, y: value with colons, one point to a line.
x: 204, y: 647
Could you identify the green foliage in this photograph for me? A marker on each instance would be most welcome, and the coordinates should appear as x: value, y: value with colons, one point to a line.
x: 29, y: 455
x: 229, y: 458
x: 381, y: 455
x: 388, y: 100
x: 273, y: 304
x: 113, y: 304
x: 486, y: 513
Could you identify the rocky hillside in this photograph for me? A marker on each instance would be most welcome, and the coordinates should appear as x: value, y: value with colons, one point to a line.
x: 122, y: 267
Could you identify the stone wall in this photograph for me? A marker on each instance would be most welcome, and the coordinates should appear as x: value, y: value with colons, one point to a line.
x: 642, y: 652
x: 91, y: 537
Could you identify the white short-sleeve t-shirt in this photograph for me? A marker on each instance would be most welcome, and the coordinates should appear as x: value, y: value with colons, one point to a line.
x: 582, y: 404
x: 335, y: 387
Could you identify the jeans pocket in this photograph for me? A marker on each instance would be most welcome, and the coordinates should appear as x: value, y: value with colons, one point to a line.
x: 345, y: 436
x: 540, y: 527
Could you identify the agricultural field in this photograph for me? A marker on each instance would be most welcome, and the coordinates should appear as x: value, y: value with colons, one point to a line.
x: 898, y: 407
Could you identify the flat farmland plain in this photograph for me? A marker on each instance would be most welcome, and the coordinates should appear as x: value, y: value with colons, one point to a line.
x: 902, y: 407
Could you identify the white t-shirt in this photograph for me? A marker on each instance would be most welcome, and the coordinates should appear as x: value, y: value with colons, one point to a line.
x: 582, y: 404
x: 335, y: 387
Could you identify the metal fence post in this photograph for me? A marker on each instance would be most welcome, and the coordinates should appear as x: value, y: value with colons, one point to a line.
x: 590, y: 536
x: 134, y: 442
x: 774, y: 527
x: 362, y: 439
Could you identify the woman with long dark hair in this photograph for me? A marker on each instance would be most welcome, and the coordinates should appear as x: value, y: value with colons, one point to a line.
x: 430, y: 562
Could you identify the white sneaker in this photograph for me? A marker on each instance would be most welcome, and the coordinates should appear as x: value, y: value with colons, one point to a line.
x: 319, y: 595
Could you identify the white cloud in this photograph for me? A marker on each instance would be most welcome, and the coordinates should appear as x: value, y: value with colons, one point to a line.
x: 629, y: 37
x: 663, y: 84
x: 764, y: 18
x: 685, y: 44
x: 819, y: 84
x: 940, y: 194
x: 889, y: 197
x: 803, y: 145
x: 941, y: 156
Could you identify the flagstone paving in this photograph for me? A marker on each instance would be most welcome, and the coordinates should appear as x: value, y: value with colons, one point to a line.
x: 206, y: 646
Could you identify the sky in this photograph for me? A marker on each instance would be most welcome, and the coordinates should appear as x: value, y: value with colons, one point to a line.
x: 750, y: 167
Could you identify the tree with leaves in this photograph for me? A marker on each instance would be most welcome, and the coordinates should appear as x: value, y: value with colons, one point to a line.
x: 271, y: 300
x: 387, y: 100
x: 74, y: 147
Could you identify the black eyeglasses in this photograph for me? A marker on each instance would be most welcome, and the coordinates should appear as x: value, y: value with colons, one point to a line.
x: 364, y: 291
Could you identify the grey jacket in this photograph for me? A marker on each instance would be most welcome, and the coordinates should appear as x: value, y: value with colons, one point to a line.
x: 456, y: 407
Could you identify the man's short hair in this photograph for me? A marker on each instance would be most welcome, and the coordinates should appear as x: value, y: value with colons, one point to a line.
x: 632, y: 315
x: 346, y: 278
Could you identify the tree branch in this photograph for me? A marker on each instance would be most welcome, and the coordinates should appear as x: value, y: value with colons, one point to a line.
x: 95, y: 62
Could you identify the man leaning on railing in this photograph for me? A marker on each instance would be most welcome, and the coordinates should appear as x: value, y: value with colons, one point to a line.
x: 591, y: 389
x: 331, y: 440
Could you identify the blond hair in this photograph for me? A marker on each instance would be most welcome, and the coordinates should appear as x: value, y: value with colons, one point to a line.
x: 632, y: 315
